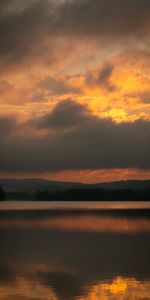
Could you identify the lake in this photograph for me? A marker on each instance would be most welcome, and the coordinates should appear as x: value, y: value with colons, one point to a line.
x: 74, y: 251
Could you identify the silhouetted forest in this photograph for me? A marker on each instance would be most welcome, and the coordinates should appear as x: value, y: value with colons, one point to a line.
x: 79, y: 194
x: 90, y: 194
x: 2, y: 194
x: 20, y: 196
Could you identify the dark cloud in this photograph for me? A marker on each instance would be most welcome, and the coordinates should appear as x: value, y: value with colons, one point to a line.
x: 105, y: 74
x: 7, y: 125
x: 65, y: 115
x: 108, y: 18
x: 90, y: 143
x: 21, y: 28
x: 25, y: 25
x: 102, y: 78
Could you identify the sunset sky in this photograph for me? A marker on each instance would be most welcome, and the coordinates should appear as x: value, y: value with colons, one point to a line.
x: 75, y: 89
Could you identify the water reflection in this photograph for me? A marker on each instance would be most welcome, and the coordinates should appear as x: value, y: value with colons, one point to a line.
x: 88, y: 223
x: 120, y: 288
x: 74, y: 256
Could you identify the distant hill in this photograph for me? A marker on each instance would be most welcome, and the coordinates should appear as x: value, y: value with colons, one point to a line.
x: 33, y: 184
x: 129, y: 184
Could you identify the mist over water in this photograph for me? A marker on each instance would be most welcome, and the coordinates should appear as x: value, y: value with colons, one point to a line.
x: 75, y: 254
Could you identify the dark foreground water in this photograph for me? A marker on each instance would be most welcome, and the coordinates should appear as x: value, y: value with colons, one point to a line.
x: 88, y: 254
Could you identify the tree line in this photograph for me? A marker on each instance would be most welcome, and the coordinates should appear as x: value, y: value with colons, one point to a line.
x: 2, y: 195
x: 90, y: 194
x: 79, y: 194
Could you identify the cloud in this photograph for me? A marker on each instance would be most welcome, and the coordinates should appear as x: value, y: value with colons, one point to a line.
x: 101, y: 78
x: 53, y: 85
x: 88, y: 143
x: 21, y: 29
x: 64, y: 40
x: 4, y: 85
x: 105, y: 74
x: 66, y: 114
x: 28, y: 29
x: 143, y: 97
x: 105, y: 18
x: 7, y: 125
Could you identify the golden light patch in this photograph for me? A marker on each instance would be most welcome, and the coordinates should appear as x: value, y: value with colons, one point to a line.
x: 119, y: 285
x: 118, y: 115
x: 120, y: 289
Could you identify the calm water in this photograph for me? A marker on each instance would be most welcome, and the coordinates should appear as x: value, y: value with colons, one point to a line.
x: 88, y: 253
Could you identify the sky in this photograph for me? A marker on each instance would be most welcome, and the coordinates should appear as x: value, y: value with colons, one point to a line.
x: 75, y: 89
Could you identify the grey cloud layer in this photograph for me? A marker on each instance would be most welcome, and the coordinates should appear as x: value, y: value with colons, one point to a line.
x: 66, y: 114
x: 24, y: 25
x: 89, y: 143
x: 109, y: 17
x: 21, y: 30
x: 7, y: 126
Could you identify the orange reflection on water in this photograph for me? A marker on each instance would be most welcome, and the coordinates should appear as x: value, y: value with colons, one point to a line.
x: 120, y: 289
x: 85, y: 223
x: 26, y: 290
